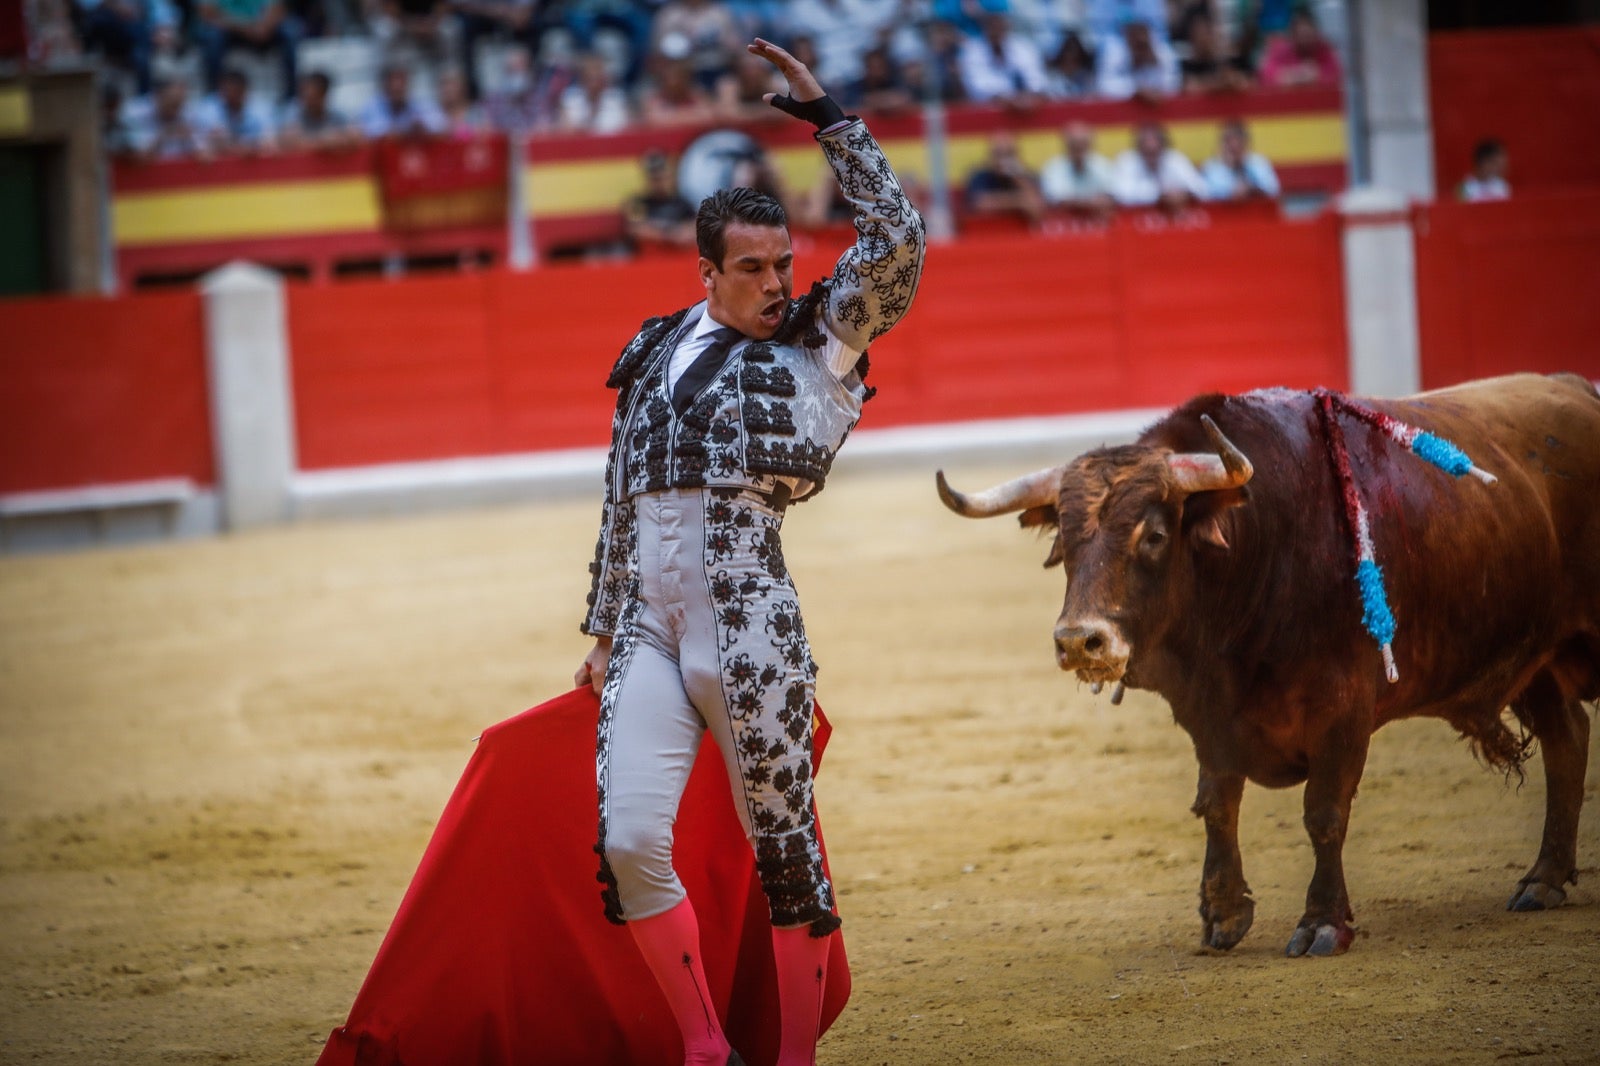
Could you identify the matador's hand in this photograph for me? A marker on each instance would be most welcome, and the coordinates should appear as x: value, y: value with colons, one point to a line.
x: 593, y: 670
x: 806, y: 99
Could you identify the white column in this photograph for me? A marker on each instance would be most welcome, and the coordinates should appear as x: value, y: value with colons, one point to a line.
x: 252, y: 414
x: 1389, y: 54
x: 1380, y: 293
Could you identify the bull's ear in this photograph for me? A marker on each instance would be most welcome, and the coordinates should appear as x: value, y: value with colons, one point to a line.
x: 1045, y: 519
x: 1203, y: 514
x: 1043, y: 515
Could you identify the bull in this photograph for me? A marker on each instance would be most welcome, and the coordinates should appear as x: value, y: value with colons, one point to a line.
x: 1210, y: 562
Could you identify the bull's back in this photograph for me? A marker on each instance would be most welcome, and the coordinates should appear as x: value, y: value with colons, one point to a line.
x: 1485, y: 578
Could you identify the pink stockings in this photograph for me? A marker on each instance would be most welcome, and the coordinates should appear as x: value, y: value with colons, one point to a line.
x: 670, y: 944
x: 802, y: 963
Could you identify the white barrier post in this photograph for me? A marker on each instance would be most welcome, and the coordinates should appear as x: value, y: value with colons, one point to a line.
x: 252, y: 417
x: 1380, y: 293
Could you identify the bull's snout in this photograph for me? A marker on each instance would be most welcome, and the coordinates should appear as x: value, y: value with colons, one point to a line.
x: 1093, y: 648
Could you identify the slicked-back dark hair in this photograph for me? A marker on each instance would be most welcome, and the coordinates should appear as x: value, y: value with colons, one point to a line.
x: 742, y: 204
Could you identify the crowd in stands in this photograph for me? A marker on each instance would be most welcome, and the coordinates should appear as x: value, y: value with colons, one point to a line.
x: 1150, y: 173
x: 603, y: 65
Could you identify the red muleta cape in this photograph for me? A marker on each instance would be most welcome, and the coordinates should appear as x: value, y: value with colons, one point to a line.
x: 500, y: 954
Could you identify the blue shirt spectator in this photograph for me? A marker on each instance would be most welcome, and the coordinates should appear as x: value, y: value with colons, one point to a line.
x: 394, y: 113
x: 1235, y: 172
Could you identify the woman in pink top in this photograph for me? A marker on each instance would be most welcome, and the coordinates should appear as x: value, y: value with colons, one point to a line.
x: 1301, y: 57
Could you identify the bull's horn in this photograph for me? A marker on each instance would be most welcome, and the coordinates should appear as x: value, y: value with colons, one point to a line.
x: 1204, y: 472
x: 1032, y: 490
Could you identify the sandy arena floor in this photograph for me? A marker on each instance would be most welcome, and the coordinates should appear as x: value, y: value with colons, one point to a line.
x: 220, y: 761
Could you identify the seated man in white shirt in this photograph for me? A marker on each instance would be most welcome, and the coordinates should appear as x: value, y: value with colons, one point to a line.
x: 1153, y: 173
x: 1235, y: 172
x: 1080, y: 179
x: 1001, y: 66
x: 1137, y: 63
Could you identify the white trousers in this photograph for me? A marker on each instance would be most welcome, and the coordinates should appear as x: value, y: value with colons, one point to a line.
x: 712, y: 640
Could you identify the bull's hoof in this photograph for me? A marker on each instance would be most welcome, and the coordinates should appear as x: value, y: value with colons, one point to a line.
x: 1222, y: 933
x: 1320, y: 940
x: 1536, y: 896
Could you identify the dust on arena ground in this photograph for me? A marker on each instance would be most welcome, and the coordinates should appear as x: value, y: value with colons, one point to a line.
x: 220, y: 761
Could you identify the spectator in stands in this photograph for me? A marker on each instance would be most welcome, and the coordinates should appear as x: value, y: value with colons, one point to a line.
x: 167, y: 129
x: 47, y: 26
x: 463, y: 119
x: 309, y: 121
x: 1002, y: 185
x: 1300, y: 58
x: 414, y: 31
x: 526, y: 102
x: 1488, y: 178
x: 825, y: 204
x: 674, y: 98
x: 1071, y: 75
x: 1153, y: 173
x: 936, y: 70
x: 116, y: 132
x: 258, y: 25
x: 125, y: 31
x: 1235, y: 172
x: 1209, y: 66
x: 631, y: 20
x: 1137, y: 64
x: 702, y: 31
x: 594, y: 103
x: 1080, y: 179
x: 1001, y: 66
x: 493, y: 18
x: 756, y: 171
x: 842, y: 30
x: 232, y: 122
x: 659, y: 216
x: 395, y: 113
x: 741, y: 92
x: 880, y: 88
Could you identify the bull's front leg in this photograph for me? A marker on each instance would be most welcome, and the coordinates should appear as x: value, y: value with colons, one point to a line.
x: 1226, y: 908
x: 1335, y: 773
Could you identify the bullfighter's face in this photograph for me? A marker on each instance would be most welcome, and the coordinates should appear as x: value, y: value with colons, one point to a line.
x: 749, y: 290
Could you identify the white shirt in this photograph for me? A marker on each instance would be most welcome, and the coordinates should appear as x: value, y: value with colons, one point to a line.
x: 1136, y: 185
x: 1223, y: 182
x: 1018, y: 68
x: 1063, y: 185
x: 1116, y: 78
x: 1476, y: 190
x: 840, y: 357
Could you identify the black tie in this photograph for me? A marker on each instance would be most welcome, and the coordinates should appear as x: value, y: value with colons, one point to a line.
x: 706, y: 366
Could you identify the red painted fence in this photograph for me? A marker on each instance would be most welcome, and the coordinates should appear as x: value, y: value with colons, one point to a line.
x: 1006, y: 324
x: 95, y: 391
x: 1509, y: 286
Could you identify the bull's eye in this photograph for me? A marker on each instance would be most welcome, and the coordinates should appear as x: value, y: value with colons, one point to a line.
x: 1152, y: 546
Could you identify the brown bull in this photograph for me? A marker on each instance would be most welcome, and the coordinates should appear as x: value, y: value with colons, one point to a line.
x: 1211, y: 562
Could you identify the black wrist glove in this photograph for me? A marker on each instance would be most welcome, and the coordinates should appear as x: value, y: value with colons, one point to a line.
x: 821, y: 112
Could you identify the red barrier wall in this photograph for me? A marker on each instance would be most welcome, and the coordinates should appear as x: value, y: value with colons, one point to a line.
x: 1007, y: 324
x: 94, y: 391
x: 1509, y: 286
x: 1536, y: 90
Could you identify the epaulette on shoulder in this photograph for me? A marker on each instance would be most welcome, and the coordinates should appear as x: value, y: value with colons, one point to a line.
x: 651, y: 333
